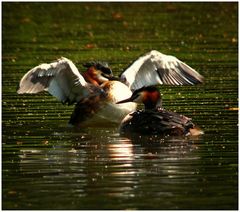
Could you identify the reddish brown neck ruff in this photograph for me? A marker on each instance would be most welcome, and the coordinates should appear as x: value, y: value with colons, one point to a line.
x: 152, y: 99
x: 91, y: 76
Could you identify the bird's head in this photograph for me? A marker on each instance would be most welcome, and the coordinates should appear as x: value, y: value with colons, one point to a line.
x: 149, y: 96
x: 98, y: 71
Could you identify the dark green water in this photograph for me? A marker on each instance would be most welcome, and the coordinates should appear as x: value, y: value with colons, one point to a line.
x: 46, y: 165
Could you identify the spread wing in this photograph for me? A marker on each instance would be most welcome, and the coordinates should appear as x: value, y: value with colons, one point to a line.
x: 156, y: 68
x: 61, y: 79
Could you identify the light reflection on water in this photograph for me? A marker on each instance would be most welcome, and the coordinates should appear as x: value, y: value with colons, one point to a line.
x: 95, y: 164
x: 47, y: 166
x: 92, y: 164
x: 122, y: 151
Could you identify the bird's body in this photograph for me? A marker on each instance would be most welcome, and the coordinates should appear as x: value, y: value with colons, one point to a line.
x: 156, y: 122
x: 153, y: 119
x: 101, y: 108
x: 95, y: 91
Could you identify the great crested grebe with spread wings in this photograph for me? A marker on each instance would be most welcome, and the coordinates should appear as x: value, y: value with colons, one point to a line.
x: 96, y: 91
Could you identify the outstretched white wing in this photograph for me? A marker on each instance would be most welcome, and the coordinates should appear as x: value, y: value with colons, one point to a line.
x: 156, y: 68
x: 61, y: 79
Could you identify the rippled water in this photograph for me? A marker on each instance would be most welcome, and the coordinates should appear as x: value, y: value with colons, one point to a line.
x: 46, y: 165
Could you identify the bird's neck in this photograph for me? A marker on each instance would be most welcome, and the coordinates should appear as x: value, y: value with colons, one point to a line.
x: 153, y: 105
x: 91, y: 77
x: 152, y: 100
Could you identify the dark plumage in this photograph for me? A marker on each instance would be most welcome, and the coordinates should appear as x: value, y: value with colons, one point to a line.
x: 154, y: 120
x: 99, y: 65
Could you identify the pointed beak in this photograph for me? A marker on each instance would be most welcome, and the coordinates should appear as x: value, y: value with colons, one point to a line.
x: 106, y: 75
x: 110, y: 76
x: 125, y: 100
x: 113, y: 78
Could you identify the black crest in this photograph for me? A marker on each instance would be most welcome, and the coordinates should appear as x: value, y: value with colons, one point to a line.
x: 99, y: 65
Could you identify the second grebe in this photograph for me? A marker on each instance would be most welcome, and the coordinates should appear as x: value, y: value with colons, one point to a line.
x: 96, y: 91
x: 154, y: 120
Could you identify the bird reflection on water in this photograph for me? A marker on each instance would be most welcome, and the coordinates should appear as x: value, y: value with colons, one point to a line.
x: 98, y: 162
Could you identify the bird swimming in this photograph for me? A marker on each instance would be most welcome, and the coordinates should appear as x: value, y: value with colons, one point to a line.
x: 96, y: 91
x: 154, y: 119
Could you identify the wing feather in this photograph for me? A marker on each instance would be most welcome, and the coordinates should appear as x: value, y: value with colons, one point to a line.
x: 156, y: 68
x: 61, y: 79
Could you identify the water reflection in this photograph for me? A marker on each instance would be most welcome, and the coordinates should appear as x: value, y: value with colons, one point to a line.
x: 97, y: 169
x: 121, y: 151
x: 99, y: 164
x: 111, y: 166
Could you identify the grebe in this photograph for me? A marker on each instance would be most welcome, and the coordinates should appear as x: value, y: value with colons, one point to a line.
x: 96, y: 90
x: 155, y: 120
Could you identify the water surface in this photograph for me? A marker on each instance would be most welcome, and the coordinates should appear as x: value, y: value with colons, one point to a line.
x: 46, y: 165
